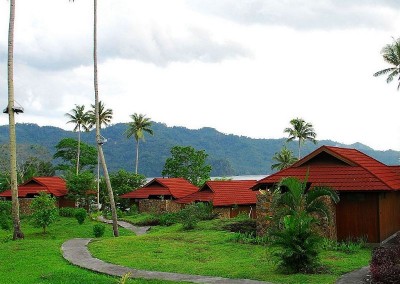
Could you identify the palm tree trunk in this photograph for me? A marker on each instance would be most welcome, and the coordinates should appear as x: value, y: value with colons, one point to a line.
x: 299, y: 148
x: 137, y: 156
x: 98, y: 136
x: 18, y: 234
x: 98, y: 181
x: 79, y: 150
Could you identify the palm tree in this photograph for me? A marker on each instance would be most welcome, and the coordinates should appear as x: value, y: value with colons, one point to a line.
x: 18, y: 234
x: 105, y: 115
x: 137, y: 128
x: 99, y: 138
x: 301, y: 130
x: 284, y: 159
x: 391, y: 54
x: 80, y: 118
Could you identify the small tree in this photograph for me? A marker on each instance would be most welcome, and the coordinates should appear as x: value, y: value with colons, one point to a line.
x: 44, y: 210
x: 79, y: 186
x: 188, y: 163
x: 283, y: 159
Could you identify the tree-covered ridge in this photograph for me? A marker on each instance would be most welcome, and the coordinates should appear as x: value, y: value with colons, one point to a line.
x: 228, y: 154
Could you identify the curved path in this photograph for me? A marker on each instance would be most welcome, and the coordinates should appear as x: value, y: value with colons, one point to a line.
x: 76, y: 252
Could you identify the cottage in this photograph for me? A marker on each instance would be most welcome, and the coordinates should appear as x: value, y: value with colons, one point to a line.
x: 159, y: 195
x: 229, y: 198
x: 55, y: 186
x: 369, y: 191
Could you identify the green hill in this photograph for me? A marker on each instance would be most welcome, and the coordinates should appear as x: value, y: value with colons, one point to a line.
x: 228, y: 154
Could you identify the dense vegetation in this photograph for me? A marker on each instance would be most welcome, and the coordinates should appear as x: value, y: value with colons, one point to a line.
x: 227, y: 154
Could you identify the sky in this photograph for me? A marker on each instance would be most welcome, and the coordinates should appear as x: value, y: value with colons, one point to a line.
x: 244, y: 67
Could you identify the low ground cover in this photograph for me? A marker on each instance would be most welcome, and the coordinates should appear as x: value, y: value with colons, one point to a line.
x: 38, y: 258
x: 209, y: 250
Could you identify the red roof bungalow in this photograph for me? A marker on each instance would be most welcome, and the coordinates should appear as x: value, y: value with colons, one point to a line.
x: 159, y: 194
x: 369, y: 190
x: 55, y: 186
x: 229, y: 198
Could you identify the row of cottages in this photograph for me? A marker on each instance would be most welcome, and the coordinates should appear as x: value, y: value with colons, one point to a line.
x: 229, y: 198
x: 369, y: 191
x: 55, y: 186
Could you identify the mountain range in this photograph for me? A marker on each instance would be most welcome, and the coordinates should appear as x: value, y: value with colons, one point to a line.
x: 228, y: 154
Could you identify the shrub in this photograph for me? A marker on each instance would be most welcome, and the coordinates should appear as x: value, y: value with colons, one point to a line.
x: 188, y: 217
x: 168, y: 219
x: 150, y: 221
x: 44, y: 210
x: 204, y: 211
x: 66, y: 212
x: 297, y: 245
x: 5, y: 215
x: 98, y: 230
x: 385, y: 265
x: 244, y: 226
x: 80, y: 215
x: 95, y: 215
x: 246, y: 238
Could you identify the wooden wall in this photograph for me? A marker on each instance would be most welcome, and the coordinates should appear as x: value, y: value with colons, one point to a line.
x: 357, y: 216
x: 389, y: 214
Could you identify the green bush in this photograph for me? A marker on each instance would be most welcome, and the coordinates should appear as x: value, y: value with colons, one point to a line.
x: 80, y: 215
x: 168, y: 219
x: 5, y: 215
x: 244, y: 226
x: 66, y: 212
x: 44, y: 210
x: 248, y: 238
x: 189, y: 217
x: 204, y: 211
x: 98, y: 230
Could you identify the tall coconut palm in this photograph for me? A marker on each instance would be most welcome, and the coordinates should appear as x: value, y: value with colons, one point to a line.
x: 136, y: 128
x: 302, y: 131
x: 18, y: 234
x: 391, y: 54
x: 80, y: 118
x: 105, y: 115
x: 99, y: 138
x: 284, y: 159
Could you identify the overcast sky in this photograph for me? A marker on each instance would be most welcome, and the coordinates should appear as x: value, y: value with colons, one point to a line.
x: 244, y: 67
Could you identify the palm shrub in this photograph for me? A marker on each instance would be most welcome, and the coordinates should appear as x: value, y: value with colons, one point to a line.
x: 296, y: 210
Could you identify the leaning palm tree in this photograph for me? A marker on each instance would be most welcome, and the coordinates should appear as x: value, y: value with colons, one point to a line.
x: 80, y: 118
x: 18, y: 234
x: 136, y: 128
x: 284, y: 159
x: 391, y: 54
x: 99, y: 138
x: 302, y: 131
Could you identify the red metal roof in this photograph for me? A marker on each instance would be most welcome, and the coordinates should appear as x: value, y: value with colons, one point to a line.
x: 224, y: 193
x: 175, y: 187
x: 53, y: 185
x: 343, y: 169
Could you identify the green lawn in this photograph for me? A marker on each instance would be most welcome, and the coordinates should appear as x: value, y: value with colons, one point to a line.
x: 210, y: 251
x: 38, y: 258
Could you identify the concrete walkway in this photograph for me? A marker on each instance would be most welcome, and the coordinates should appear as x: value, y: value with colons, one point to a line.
x: 137, y: 230
x: 355, y: 277
x: 76, y: 252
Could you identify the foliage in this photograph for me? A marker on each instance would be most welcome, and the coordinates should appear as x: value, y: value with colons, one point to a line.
x: 80, y: 215
x: 188, y: 163
x: 35, y: 167
x: 67, y: 150
x: 80, y: 186
x: 168, y: 219
x: 348, y: 247
x: 283, y: 159
x: 98, y: 230
x: 302, y: 131
x: 66, y: 212
x: 385, y: 265
x: 391, y: 54
x: 105, y: 115
x: 44, y: 210
x: 195, y: 212
x: 244, y: 226
x: 5, y: 215
x: 122, y: 182
x: 297, y: 244
x: 248, y: 238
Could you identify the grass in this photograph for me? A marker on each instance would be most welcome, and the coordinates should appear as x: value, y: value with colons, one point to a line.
x: 209, y: 251
x: 38, y: 258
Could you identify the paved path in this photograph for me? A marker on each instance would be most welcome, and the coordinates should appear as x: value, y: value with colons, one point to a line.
x: 137, y: 230
x: 354, y: 277
x: 76, y: 252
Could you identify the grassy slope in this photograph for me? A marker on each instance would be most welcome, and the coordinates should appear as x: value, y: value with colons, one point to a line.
x: 38, y: 258
x: 207, y: 251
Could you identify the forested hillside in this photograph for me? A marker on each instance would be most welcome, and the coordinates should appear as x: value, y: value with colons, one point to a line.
x: 228, y: 154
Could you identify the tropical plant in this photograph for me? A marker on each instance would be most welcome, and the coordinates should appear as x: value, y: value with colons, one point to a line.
x: 296, y: 209
x: 105, y: 115
x: 136, y: 128
x: 284, y: 159
x: 302, y: 131
x: 80, y: 186
x: 44, y: 210
x: 188, y: 163
x: 391, y: 54
x: 80, y: 118
x: 80, y: 215
x: 17, y: 234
